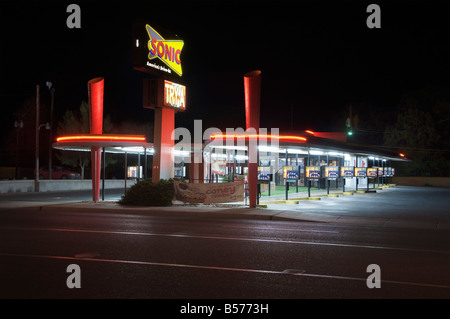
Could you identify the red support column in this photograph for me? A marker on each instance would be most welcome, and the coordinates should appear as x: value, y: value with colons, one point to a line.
x: 196, y: 171
x: 163, y: 144
x: 95, y: 92
x: 252, y: 90
x: 96, y: 162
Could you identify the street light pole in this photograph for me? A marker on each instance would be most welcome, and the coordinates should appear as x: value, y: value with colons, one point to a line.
x: 36, y: 173
x: 50, y: 168
x: 18, y: 124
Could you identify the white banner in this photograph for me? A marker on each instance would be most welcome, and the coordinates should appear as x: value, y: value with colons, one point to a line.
x: 209, y: 193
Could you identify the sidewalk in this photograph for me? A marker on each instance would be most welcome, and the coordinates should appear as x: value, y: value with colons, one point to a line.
x: 270, y: 208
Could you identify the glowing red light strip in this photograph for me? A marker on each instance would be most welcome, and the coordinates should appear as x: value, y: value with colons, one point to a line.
x: 79, y: 138
x: 279, y: 137
x: 310, y: 132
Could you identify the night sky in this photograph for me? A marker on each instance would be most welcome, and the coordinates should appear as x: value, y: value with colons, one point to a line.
x: 316, y: 57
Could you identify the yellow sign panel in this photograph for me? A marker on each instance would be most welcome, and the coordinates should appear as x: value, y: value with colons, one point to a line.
x: 168, y: 51
x: 360, y: 171
x: 332, y: 172
x: 372, y: 172
x: 347, y: 171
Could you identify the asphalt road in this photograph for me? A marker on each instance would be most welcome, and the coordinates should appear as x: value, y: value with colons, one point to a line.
x: 164, y: 257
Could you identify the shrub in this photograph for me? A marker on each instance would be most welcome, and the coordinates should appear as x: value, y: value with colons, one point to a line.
x: 147, y: 193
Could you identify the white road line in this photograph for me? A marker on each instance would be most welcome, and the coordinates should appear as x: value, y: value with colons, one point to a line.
x: 150, y: 263
x: 287, y: 229
x: 278, y: 241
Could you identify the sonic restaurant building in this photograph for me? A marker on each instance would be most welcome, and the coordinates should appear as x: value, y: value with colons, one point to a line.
x: 293, y: 159
x: 305, y: 158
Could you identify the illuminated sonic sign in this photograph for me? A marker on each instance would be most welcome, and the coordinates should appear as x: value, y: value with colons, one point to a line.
x: 168, y: 51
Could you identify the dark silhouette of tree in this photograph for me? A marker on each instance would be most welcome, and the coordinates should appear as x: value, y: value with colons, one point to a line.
x: 421, y: 131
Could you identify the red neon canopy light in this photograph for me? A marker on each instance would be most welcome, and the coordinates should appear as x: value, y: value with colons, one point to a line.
x: 101, y: 138
x: 292, y: 138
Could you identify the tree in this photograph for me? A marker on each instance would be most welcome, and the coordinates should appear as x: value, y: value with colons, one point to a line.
x: 417, y: 133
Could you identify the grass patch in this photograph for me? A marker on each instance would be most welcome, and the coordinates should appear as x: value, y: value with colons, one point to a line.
x: 281, y: 190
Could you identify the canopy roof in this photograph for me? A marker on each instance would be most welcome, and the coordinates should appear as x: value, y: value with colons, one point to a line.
x: 113, y: 143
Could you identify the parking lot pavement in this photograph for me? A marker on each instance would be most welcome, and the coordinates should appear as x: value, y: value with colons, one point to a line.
x: 421, y: 207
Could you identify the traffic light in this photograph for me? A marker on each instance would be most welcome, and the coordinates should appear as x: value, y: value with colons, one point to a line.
x: 349, y: 127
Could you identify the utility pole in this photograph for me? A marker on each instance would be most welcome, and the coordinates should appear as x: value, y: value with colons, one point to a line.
x: 36, y: 175
x: 50, y: 168
x: 18, y: 124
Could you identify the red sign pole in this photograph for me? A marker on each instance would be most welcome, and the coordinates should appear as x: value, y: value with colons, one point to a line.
x: 95, y: 92
x: 252, y: 90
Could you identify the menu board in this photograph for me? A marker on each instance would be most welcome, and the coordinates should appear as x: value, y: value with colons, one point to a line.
x: 331, y: 172
x: 392, y: 171
x: 312, y: 172
x: 290, y: 172
x: 387, y: 171
x: 133, y: 171
x: 347, y: 171
x: 264, y: 173
x: 380, y: 171
x: 372, y: 172
x: 360, y: 171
